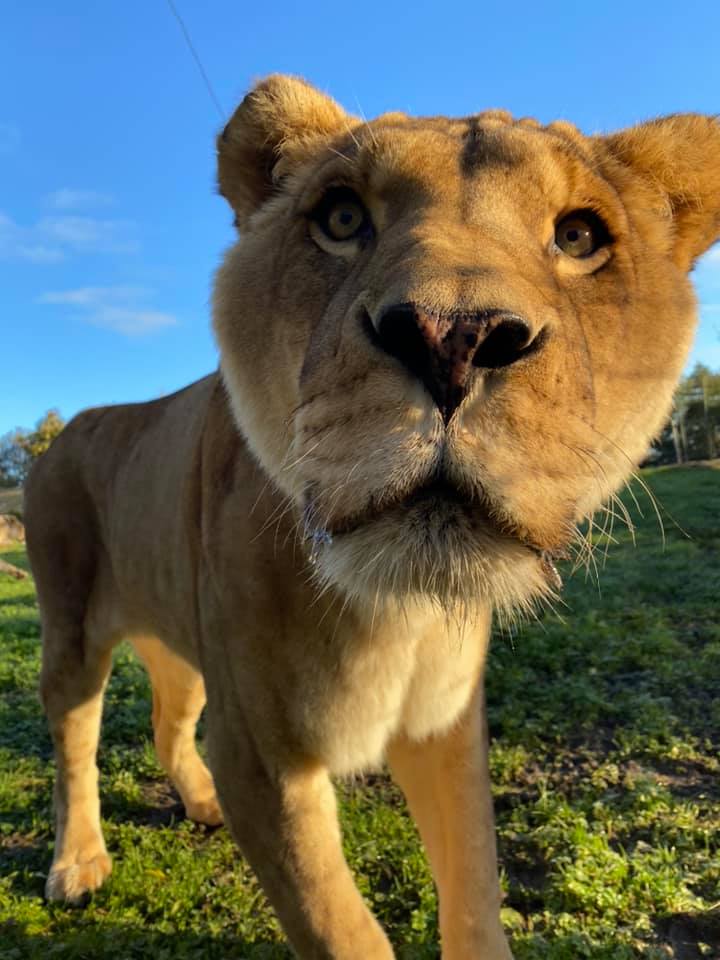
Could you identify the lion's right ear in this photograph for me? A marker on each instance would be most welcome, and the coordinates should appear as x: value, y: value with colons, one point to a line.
x: 279, y: 114
x: 678, y: 157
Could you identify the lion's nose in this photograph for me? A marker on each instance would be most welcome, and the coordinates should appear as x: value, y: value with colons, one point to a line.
x: 441, y: 350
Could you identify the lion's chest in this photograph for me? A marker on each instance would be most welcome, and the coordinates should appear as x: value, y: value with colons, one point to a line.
x: 413, y: 679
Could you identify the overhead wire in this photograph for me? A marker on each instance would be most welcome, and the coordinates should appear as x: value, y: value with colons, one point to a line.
x: 196, y: 58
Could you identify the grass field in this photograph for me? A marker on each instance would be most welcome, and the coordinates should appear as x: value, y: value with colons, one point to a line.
x: 11, y: 501
x: 605, y: 735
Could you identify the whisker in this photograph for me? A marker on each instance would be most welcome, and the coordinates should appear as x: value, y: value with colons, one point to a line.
x: 365, y: 122
x: 280, y: 511
x: 615, y: 499
x: 301, y: 458
x: 354, y: 138
x: 339, y: 154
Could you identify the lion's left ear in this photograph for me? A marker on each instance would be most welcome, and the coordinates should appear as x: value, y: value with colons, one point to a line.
x: 679, y: 156
x: 279, y: 117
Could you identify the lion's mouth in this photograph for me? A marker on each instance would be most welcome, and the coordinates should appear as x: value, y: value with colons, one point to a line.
x: 437, y: 505
x: 427, y: 500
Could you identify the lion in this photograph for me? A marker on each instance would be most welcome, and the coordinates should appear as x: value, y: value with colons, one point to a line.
x: 443, y: 342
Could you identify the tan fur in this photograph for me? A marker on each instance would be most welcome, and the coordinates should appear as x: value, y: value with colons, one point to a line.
x: 268, y: 536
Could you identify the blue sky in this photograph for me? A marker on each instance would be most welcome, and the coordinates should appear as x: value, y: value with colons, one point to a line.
x: 110, y: 228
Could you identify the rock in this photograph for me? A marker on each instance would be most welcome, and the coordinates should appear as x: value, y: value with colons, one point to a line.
x: 11, y: 530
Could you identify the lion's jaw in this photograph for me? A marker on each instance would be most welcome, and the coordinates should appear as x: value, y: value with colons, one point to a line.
x: 392, y: 497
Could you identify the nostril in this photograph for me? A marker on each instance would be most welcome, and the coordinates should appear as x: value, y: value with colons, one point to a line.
x: 507, y: 342
x: 400, y: 335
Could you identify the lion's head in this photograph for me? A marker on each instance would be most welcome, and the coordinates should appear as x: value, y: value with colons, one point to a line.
x: 448, y: 340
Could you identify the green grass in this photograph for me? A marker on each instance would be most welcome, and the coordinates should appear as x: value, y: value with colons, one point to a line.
x: 605, y: 762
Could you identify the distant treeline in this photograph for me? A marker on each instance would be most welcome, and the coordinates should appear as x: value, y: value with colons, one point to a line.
x: 693, y: 430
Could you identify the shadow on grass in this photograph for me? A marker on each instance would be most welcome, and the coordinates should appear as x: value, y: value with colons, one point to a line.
x: 128, y: 942
x: 18, y: 853
x: 17, y: 557
x: 690, y: 941
x: 27, y: 735
x: 22, y: 600
x: 159, y: 806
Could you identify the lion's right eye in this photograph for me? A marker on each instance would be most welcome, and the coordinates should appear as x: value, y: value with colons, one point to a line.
x: 341, y: 215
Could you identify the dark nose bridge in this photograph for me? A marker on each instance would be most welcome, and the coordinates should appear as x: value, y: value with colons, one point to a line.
x: 443, y: 350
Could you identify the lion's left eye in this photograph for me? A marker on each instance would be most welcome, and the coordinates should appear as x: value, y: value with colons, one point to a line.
x: 341, y: 215
x: 581, y: 233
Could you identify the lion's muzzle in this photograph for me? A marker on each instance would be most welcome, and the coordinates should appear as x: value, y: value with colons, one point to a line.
x: 444, y: 350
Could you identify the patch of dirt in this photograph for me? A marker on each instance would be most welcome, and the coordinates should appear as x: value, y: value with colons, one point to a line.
x: 158, y: 805
x: 572, y: 772
x: 376, y: 785
x: 688, y: 778
x: 17, y: 841
x: 163, y: 807
x: 689, y: 934
x: 164, y: 804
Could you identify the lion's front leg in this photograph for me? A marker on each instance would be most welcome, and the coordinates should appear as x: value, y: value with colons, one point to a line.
x: 447, y: 785
x: 285, y: 821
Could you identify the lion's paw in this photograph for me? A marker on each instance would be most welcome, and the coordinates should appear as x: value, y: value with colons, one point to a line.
x: 205, y: 811
x: 74, y: 882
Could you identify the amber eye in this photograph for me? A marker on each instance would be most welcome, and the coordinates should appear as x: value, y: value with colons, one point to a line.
x: 341, y: 215
x: 581, y: 233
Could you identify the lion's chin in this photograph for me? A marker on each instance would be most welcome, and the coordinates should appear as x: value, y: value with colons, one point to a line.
x: 432, y: 545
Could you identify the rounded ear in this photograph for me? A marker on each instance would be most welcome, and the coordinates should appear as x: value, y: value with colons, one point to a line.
x: 679, y: 156
x: 278, y: 113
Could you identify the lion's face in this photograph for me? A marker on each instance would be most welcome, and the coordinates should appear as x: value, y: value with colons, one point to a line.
x: 446, y: 340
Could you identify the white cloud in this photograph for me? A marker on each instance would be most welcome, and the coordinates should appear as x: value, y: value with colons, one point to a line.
x: 68, y: 198
x: 92, y: 296
x: 9, y: 138
x: 52, y: 239
x: 17, y: 243
x: 118, y: 308
x: 131, y: 322
x: 89, y: 235
x: 713, y: 255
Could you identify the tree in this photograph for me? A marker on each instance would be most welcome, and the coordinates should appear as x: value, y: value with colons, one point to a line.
x: 20, y: 448
x: 14, y: 461
x: 38, y: 441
